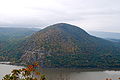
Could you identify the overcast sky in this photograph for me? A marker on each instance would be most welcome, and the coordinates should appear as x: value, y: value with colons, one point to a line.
x: 95, y: 15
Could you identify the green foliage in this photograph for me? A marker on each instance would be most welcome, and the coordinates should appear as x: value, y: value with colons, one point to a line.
x: 83, y: 61
x: 62, y: 45
x: 70, y: 46
x: 10, y: 42
x: 68, y: 39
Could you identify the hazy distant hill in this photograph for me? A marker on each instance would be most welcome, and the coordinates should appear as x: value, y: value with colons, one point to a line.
x: 106, y: 35
x: 10, y: 37
x: 15, y: 33
x: 65, y: 45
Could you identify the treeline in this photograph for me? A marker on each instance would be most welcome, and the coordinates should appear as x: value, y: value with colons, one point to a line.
x: 83, y: 61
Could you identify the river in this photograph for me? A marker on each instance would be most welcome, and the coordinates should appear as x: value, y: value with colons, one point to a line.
x: 63, y: 74
x: 6, y: 69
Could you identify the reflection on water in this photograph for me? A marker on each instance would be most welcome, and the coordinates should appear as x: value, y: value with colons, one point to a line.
x: 67, y: 74
x: 64, y: 74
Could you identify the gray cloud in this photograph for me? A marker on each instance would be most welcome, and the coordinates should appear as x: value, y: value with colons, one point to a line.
x: 99, y: 15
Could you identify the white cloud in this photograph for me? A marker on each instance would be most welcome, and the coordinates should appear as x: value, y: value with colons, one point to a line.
x: 89, y: 14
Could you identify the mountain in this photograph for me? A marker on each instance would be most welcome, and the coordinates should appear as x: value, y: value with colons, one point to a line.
x: 65, y: 38
x: 65, y: 45
x: 15, y: 33
x: 9, y: 39
x: 106, y: 35
x: 117, y: 41
x: 58, y: 46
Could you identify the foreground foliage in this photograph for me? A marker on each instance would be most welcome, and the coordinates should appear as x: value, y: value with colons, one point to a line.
x: 29, y: 73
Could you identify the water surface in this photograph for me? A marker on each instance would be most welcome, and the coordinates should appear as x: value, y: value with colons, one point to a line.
x: 63, y: 74
x: 81, y: 75
x: 6, y: 69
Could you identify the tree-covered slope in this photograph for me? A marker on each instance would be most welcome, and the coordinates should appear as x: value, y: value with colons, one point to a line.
x: 66, y: 38
x: 54, y: 46
x: 60, y: 45
x: 10, y: 41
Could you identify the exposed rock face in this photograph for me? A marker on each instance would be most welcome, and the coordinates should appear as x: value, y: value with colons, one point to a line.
x: 33, y: 56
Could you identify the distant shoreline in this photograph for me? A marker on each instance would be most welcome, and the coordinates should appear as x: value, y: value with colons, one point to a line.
x: 5, y: 63
x: 69, y: 69
x: 80, y: 69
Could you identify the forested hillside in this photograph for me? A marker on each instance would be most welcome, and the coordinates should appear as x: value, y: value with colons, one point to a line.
x: 10, y: 40
x: 65, y: 45
x: 60, y: 45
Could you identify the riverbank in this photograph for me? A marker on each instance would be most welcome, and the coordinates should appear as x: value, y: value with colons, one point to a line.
x: 66, y: 74
x: 67, y: 69
x: 5, y: 63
